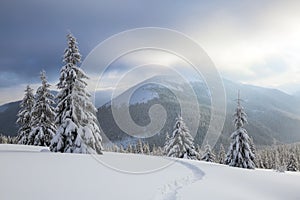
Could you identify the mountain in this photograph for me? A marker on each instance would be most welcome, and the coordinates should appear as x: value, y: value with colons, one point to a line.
x: 272, y: 115
x: 8, y: 118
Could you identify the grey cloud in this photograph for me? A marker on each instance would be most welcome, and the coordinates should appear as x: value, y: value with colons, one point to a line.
x: 33, y: 31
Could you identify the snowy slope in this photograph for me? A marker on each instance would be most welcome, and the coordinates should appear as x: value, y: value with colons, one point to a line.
x: 28, y: 173
x: 22, y: 148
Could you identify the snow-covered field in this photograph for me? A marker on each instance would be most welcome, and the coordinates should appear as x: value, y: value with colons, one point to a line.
x: 29, y: 173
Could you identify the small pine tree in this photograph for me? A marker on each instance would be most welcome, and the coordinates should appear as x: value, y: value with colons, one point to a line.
x: 24, y: 116
x: 252, y: 146
x: 129, y: 149
x: 259, y: 162
x: 208, y: 155
x: 11, y: 140
x: 292, y: 164
x: 154, y: 150
x: 43, y: 127
x: 160, y: 151
x: 139, y: 147
x: 146, y: 149
x: 266, y: 160
x: 3, y: 139
x: 221, y: 155
x: 167, y: 140
x: 181, y: 144
x: 198, y: 150
x: 121, y: 149
x: 239, y: 153
x: 274, y: 159
x: 115, y: 148
x: 279, y: 167
x: 78, y: 130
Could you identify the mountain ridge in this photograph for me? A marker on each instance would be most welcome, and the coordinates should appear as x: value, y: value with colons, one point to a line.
x: 269, y: 112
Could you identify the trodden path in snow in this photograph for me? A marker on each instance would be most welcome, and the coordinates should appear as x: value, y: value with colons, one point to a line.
x: 170, y: 190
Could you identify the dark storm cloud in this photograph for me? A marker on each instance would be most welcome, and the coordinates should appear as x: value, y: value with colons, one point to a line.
x: 33, y: 31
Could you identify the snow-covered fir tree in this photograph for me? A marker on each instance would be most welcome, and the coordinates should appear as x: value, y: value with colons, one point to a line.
x: 198, y: 148
x: 43, y: 127
x: 3, y: 139
x: 130, y: 149
x: 153, y: 150
x: 199, y: 151
x: 221, y: 155
x: 259, y: 161
x: 252, y: 146
x: 115, y: 148
x: 77, y: 125
x: 240, y: 153
x: 139, y: 147
x: 292, y: 163
x: 121, y: 149
x: 267, y: 160
x: 279, y: 166
x: 274, y: 160
x: 167, y: 140
x: 181, y: 144
x: 208, y: 155
x: 146, y: 149
x: 24, y: 116
x: 160, y: 151
x: 157, y: 151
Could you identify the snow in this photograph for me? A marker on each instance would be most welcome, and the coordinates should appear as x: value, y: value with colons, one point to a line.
x: 224, y: 182
x: 20, y: 148
x: 29, y: 174
x: 143, y: 94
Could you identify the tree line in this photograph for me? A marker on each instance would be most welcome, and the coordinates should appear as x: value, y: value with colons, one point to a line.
x: 241, y: 152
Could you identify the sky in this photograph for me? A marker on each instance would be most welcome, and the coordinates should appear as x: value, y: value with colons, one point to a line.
x: 253, y: 42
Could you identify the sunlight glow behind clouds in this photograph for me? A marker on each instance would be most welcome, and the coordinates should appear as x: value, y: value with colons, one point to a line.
x: 240, y: 46
x: 141, y: 65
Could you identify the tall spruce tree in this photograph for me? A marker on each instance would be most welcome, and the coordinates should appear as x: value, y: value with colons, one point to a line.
x: 78, y: 130
x: 181, y: 144
x: 24, y: 116
x: 43, y: 127
x: 240, y: 153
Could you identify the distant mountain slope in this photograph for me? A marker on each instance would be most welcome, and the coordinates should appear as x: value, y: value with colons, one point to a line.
x: 8, y: 118
x: 272, y: 114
